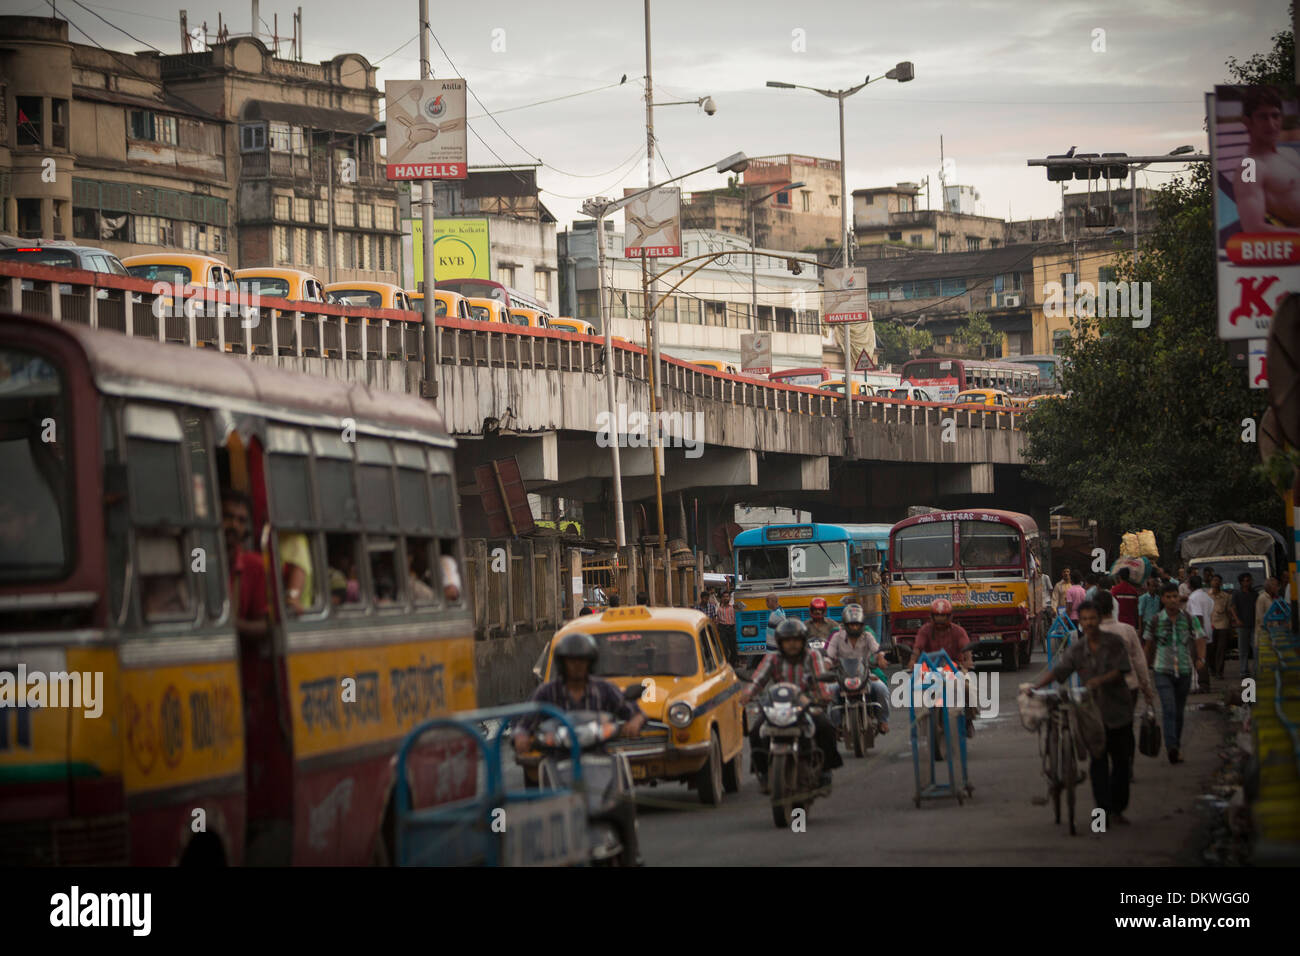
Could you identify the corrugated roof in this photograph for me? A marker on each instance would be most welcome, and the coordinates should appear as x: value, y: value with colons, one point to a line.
x: 166, y: 103
x: 1018, y: 258
x: 315, y: 117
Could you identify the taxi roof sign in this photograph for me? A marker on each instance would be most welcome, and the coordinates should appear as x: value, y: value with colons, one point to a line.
x: 634, y: 611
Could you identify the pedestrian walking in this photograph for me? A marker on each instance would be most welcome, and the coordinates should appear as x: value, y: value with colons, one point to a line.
x: 1221, y: 618
x: 727, y: 627
x: 1102, y: 661
x: 1175, y: 646
x: 1058, y: 592
x: 1074, y: 596
x: 1270, y: 593
x: 1242, y: 611
x: 1149, y: 602
x: 1126, y: 598
x: 1201, y: 606
x: 1138, y: 679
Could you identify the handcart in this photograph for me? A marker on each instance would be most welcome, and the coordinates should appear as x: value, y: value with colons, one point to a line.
x: 493, y: 826
x: 928, y: 681
x: 1060, y: 636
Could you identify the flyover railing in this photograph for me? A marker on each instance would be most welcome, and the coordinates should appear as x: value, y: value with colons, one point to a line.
x: 201, y: 317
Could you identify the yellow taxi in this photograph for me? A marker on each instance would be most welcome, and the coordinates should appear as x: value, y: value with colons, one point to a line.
x: 694, y: 732
x: 272, y: 282
x: 984, y: 398
x: 1032, y: 403
x: 445, y: 303
x: 487, y: 310
x: 716, y: 366
x: 529, y: 317
x: 182, y: 268
x: 565, y: 324
x: 836, y: 385
x: 376, y: 295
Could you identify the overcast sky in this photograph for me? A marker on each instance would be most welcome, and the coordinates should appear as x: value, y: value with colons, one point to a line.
x: 1001, y: 80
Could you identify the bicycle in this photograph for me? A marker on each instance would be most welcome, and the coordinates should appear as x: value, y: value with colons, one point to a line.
x: 1060, y: 757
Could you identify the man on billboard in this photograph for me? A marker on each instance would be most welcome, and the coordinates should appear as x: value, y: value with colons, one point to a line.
x: 1269, y: 201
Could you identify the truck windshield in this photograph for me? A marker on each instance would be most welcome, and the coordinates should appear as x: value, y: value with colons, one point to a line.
x: 35, y: 510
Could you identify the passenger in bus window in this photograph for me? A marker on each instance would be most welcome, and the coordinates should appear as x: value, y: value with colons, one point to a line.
x: 345, y: 588
x: 296, y: 572
x: 247, y: 574
x: 383, y: 571
x: 450, y: 571
x: 164, y: 590
x: 417, y: 570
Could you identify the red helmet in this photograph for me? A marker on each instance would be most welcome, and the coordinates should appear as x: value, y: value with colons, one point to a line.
x: 940, y: 606
x: 817, y: 604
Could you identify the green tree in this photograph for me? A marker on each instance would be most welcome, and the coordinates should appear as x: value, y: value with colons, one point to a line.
x: 976, y: 330
x: 899, y: 342
x: 1151, y: 432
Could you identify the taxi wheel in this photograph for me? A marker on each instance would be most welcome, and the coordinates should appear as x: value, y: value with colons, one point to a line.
x: 732, y: 772
x: 709, y: 782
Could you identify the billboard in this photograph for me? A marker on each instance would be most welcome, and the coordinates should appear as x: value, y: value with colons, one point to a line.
x: 846, y: 296
x: 1255, y: 151
x: 426, y: 129
x: 654, y: 224
x: 460, y: 247
x: 756, y: 353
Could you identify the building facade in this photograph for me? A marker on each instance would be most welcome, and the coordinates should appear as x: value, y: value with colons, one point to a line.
x: 891, y: 215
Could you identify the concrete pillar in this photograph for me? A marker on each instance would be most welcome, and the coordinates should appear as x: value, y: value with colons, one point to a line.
x: 574, y: 588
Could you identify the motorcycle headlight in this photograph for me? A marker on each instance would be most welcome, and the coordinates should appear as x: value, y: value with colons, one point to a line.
x: 781, y: 715
x: 680, y: 714
x: 852, y: 683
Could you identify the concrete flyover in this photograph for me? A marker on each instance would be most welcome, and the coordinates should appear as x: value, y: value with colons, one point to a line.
x: 539, y: 395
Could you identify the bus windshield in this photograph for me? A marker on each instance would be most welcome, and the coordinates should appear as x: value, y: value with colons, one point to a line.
x: 988, y: 544
x: 924, y: 546
x: 34, y: 510
x: 815, y: 561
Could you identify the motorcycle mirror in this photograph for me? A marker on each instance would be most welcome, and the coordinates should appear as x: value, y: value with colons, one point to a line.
x: 633, y: 691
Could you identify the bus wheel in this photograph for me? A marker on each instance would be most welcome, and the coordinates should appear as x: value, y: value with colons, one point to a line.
x: 204, y: 851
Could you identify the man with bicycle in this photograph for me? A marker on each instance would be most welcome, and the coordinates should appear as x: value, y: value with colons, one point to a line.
x: 1102, y: 662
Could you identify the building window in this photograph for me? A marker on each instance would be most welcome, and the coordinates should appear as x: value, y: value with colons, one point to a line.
x: 301, y: 210
x: 283, y: 246
x: 278, y: 136
x: 587, y: 305
x: 783, y: 198
x: 59, y: 124
x: 904, y: 203
x: 29, y: 218
x: 1059, y: 338
x: 282, y: 208
x: 322, y: 248
x: 29, y: 121
x: 306, y: 252
x: 542, y: 285
x: 944, y: 243
x: 835, y: 202
x: 344, y: 214
x: 806, y: 198
x: 147, y: 125
x: 252, y: 137
x: 916, y: 238
x: 322, y: 210
x: 506, y: 275
x: 1067, y: 278
x: 381, y: 264
x: 994, y: 243
x: 868, y: 200
x: 153, y: 231
x: 385, y: 217
x: 896, y: 236
x: 365, y: 215
x: 973, y: 243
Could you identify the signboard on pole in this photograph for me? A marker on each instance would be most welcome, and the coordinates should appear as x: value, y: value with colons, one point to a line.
x: 1256, y: 204
x: 461, y: 246
x: 426, y: 129
x: 654, y: 224
x: 1258, y: 364
x: 846, y: 296
x: 756, y: 353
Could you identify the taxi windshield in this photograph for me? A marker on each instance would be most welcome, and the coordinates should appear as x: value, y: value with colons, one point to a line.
x: 976, y: 398
x: 264, y: 285
x: 646, y: 654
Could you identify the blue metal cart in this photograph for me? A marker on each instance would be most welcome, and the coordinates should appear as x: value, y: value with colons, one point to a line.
x: 941, y: 721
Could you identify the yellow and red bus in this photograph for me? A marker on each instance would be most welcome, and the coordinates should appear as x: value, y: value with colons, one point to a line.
x: 944, y: 378
x: 985, y: 562
x: 215, y: 736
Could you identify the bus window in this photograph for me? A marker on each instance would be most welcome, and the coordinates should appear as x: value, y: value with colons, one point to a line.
x: 985, y: 543
x: 340, y: 516
x: 416, y: 519
x: 765, y: 564
x: 923, y: 546
x: 379, y: 513
x: 823, y: 559
x: 206, y: 508
x: 35, y: 512
x: 446, y: 523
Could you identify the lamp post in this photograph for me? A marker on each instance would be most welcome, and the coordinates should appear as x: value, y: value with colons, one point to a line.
x: 753, y: 245
x: 600, y: 207
x: 902, y: 72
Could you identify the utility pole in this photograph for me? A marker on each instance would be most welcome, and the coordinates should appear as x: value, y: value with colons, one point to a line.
x: 429, y: 388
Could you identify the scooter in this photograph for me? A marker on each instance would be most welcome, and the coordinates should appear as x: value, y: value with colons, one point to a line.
x: 606, y: 778
x: 794, y: 766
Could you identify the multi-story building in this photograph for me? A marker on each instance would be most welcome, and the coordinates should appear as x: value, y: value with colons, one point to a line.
x: 1089, y: 216
x: 227, y: 151
x: 705, y: 317
x: 1071, y: 264
x: 804, y: 218
x: 891, y: 215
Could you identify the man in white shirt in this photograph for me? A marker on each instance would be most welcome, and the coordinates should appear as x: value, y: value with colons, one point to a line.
x: 1138, y: 678
x: 1200, y: 605
x: 775, y: 616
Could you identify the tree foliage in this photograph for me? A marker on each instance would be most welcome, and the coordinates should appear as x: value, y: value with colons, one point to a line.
x: 976, y: 330
x: 899, y: 342
x: 1150, y: 434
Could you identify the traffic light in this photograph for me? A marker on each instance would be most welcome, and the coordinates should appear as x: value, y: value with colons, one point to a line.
x: 1087, y: 172
x: 1119, y: 170
x: 1059, y: 174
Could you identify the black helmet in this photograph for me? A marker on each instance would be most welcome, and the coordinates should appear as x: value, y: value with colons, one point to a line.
x: 792, y: 627
x: 577, y: 646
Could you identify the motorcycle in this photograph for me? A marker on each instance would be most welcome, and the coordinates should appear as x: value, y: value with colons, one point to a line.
x: 858, y: 715
x: 794, y: 766
x: 606, y: 778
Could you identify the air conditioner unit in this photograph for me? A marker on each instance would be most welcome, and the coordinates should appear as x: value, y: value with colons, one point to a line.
x: 1011, y: 301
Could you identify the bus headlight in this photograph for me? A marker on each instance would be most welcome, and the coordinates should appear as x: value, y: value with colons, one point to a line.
x: 749, y: 630
x: 680, y: 714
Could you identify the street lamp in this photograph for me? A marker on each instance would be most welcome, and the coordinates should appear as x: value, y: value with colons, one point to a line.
x: 753, y: 245
x: 902, y: 72
x: 600, y: 207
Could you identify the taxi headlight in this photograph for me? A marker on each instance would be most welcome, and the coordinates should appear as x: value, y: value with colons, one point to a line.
x: 680, y: 714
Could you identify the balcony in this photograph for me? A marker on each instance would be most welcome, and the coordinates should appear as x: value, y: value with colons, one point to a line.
x: 267, y: 164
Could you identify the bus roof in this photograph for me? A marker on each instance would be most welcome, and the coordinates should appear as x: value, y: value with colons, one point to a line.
x: 137, y: 367
x: 814, y: 532
x: 1025, y: 523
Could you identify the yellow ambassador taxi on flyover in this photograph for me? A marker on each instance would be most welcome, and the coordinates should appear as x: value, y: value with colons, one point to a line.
x: 694, y: 732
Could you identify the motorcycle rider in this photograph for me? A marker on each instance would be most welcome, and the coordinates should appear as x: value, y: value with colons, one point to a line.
x: 573, y: 687
x: 819, y: 627
x: 793, y: 663
x: 854, y: 639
